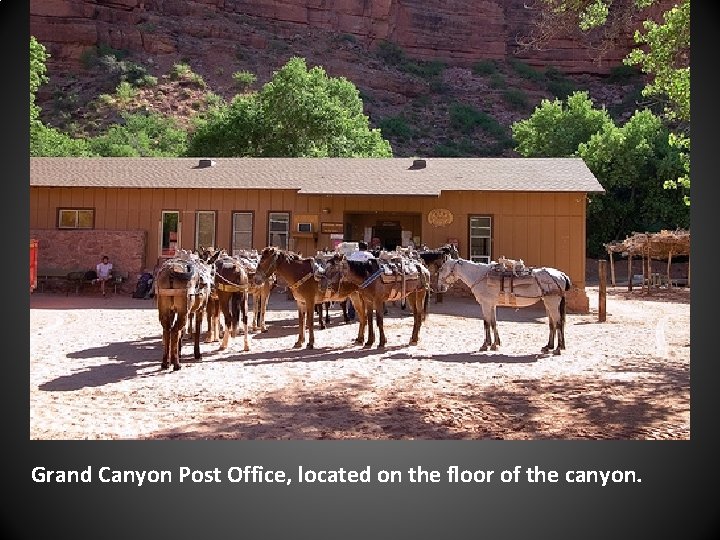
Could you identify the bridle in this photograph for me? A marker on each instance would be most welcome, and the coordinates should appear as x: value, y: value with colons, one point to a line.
x: 262, y: 275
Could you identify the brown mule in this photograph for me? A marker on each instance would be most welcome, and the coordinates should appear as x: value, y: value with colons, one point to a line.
x: 232, y: 286
x: 182, y: 286
x: 375, y: 289
x: 300, y: 274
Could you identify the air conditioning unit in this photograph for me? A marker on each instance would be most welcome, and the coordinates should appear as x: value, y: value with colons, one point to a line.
x: 304, y: 227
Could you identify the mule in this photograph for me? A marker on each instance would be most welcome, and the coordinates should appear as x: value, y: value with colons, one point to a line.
x: 493, y: 285
x: 307, y: 285
x: 434, y: 259
x: 260, y: 292
x: 232, y: 286
x: 182, y: 287
x: 324, y: 321
x: 375, y: 289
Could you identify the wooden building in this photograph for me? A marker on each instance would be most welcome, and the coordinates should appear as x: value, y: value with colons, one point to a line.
x: 139, y: 210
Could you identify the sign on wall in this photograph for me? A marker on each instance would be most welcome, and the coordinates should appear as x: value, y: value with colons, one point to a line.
x: 440, y: 217
x: 330, y: 227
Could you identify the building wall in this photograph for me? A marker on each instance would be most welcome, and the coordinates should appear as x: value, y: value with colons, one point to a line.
x: 543, y: 229
x: 83, y: 249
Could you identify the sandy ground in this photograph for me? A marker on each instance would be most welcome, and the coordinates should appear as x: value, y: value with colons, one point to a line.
x: 94, y: 374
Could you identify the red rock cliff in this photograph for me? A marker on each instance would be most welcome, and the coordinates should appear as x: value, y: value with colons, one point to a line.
x: 463, y: 31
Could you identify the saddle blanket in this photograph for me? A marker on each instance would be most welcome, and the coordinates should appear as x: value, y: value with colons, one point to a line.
x: 392, y: 271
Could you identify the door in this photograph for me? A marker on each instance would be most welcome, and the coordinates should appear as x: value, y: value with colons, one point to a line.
x: 169, y: 233
x: 389, y: 233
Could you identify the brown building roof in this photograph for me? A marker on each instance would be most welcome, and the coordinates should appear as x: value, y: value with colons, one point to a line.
x: 331, y: 176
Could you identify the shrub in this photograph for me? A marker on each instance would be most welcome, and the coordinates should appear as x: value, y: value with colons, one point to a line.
x: 244, y: 78
x: 466, y: 118
x: 515, y: 98
x: 561, y: 89
x: 623, y: 74
x: 497, y: 80
x: 485, y: 67
x: 396, y: 126
x: 525, y: 71
x: 125, y: 91
x: 180, y: 71
x: 390, y: 53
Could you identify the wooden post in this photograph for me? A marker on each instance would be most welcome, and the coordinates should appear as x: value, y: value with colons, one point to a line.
x: 668, y: 270
x: 602, y: 297
x: 612, y: 270
x: 630, y: 274
x: 688, y: 272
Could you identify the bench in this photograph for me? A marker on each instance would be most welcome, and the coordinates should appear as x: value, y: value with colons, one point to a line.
x: 48, y: 276
x: 116, y: 278
x: 74, y: 278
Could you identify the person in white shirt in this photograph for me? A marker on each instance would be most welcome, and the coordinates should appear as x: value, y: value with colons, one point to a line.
x: 104, y: 270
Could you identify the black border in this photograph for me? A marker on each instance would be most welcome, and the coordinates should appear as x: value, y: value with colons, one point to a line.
x: 675, y: 499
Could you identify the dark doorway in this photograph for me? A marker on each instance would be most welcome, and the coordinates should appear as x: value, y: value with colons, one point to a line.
x: 389, y: 233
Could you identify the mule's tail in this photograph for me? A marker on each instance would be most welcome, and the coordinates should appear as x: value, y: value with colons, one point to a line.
x: 562, y: 311
x: 425, y: 304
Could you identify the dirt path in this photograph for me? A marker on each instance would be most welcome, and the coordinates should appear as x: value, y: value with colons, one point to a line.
x: 94, y: 374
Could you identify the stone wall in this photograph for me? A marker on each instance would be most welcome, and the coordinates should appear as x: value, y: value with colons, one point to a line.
x: 78, y: 249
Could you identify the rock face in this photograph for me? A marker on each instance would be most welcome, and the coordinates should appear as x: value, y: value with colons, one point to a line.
x: 464, y: 31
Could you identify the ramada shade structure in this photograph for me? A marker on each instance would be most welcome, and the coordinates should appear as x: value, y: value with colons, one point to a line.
x: 659, y: 246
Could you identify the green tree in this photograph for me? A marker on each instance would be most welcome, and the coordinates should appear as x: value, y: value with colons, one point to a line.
x: 141, y: 135
x: 301, y: 112
x: 38, y: 58
x: 663, y: 54
x: 556, y: 128
x: 45, y: 140
x: 632, y: 162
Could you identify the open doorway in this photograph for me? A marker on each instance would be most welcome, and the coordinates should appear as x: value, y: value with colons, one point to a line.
x: 391, y: 229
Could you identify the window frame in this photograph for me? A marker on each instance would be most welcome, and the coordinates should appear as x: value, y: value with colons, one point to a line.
x: 160, y: 233
x: 233, y: 248
x: 77, y: 210
x: 287, y: 232
x: 470, y: 237
x: 197, y: 228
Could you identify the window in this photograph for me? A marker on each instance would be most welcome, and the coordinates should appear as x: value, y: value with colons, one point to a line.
x: 242, y: 231
x: 204, y: 229
x: 76, y: 218
x: 169, y: 233
x: 480, y: 229
x: 278, y: 229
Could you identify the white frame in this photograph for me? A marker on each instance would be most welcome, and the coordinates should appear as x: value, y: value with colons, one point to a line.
x: 480, y: 258
x: 160, y: 233
x: 285, y: 233
x: 197, y: 227
x: 233, y: 245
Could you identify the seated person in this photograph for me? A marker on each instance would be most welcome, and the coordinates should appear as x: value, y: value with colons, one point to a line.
x: 104, y: 272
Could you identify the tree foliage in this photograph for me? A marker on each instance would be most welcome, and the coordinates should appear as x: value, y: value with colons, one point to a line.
x: 663, y: 53
x: 45, y: 140
x: 556, y: 128
x: 301, y: 112
x: 142, y: 135
x: 38, y: 57
x: 631, y: 162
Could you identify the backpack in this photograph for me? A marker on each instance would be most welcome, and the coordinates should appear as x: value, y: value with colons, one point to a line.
x: 143, y: 289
